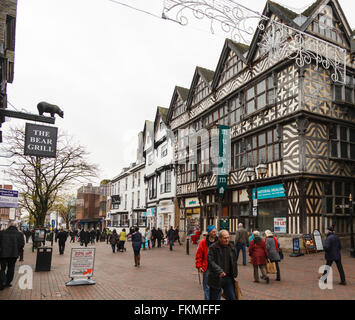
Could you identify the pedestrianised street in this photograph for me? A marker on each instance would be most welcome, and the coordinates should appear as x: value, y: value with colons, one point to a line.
x: 165, y: 275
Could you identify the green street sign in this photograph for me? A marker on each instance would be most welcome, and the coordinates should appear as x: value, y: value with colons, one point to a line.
x: 223, y: 157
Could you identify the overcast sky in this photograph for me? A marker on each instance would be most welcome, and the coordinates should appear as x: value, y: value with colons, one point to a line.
x: 108, y: 67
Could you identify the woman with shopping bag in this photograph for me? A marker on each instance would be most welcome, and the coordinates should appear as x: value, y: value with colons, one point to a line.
x: 258, y: 254
x: 272, y: 247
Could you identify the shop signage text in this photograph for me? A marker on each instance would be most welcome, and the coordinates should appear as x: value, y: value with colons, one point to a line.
x: 8, y: 198
x: 270, y: 192
x: 280, y: 225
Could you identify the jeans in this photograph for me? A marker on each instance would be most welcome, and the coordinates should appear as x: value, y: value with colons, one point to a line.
x: 206, y: 288
x: 339, y: 266
x: 61, y: 247
x: 159, y: 243
x: 171, y: 243
x: 227, y: 284
x: 7, y: 277
x: 242, y: 246
x: 113, y: 247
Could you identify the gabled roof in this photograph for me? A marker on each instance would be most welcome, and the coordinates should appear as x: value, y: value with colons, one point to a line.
x: 239, y: 48
x: 206, y: 75
x: 178, y: 91
x: 148, y: 126
x: 162, y: 112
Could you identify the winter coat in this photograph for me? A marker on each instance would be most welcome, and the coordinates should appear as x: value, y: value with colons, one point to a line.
x: 176, y: 234
x: 214, y: 261
x: 136, y: 240
x: 62, y: 236
x: 159, y: 235
x: 332, y: 248
x: 92, y: 234
x: 113, y: 238
x: 154, y: 233
x: 241, y: 236
x: 84, y: 236
x: 258, y: 252
x: 272, y: 248
x: 12, y: 242
x: 123, y: 236
x: 170, y: 235
x: 201, y: 254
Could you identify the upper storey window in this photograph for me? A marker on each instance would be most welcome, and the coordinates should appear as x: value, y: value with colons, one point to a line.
x: 232, y: 66
x: 326, y: 26
x: 201, y: 91
x: 180, y: 107
x: 259, y: 95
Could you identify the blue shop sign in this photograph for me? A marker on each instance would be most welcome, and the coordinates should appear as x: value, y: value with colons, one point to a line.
x: 270, y: 192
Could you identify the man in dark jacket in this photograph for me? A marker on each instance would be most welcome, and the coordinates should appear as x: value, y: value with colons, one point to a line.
x: 11, y: 244
x: 98, y: 235
x: 241, y: 242
x: 222, y: 267
x: 84, y: 237
x: 332, y: 248
x: 154, y: 237
x: 160, y: 237
x: 170, y: 236
x: 62, y: 238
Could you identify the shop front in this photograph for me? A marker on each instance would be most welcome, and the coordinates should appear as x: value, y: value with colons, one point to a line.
x: 193, y: 215
x: 151, y: 217
x: 166, y: 214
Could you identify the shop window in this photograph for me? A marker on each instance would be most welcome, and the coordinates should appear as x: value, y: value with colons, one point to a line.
x: 337, y: 197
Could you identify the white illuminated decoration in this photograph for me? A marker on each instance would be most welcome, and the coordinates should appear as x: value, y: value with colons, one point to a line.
x: 278, y: 42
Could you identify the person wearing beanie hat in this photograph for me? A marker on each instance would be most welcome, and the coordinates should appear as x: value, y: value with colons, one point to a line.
x: 201, y: 257
x: 272, y: 247
x: 332, y: 248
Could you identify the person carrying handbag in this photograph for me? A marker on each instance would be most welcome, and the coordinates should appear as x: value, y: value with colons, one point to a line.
x: 258, y: 254
x: 272, y: 247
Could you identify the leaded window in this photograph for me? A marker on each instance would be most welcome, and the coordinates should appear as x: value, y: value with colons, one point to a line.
x: 201, y: 91
x: 259, y: 95
x: 251, y: 151
x: 342, y: 142
x: 233, y: 66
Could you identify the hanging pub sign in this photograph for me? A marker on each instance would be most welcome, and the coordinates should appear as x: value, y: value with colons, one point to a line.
x: 223, y: 154
x: 40, y: 141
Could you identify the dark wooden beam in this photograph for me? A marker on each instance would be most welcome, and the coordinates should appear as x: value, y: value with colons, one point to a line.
x: 26, y: 116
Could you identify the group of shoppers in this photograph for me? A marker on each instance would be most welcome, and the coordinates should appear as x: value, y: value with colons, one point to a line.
x: 216, y: 258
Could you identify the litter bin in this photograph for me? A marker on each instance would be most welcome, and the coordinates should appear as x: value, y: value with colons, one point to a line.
x: 44, y: 259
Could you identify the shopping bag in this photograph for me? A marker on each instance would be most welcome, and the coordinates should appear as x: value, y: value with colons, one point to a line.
x: 238, y: 291
x: 270, y: 267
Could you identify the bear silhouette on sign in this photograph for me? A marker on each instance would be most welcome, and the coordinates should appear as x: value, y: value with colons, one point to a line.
x: 44, y: 107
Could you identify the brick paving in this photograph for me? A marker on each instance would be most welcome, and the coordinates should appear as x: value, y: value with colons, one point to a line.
x: 166, y: 275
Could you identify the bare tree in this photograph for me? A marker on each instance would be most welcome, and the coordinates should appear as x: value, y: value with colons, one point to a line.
x: 65, y: 207
x: 40, y: 180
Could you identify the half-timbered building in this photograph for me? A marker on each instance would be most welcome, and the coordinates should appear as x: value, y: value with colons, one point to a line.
x: 299, y: 121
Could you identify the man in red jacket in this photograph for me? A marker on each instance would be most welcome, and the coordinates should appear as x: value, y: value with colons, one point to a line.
x: 201, y: 257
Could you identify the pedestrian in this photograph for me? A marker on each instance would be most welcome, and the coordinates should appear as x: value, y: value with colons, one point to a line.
x: 201, y: 257
x: 154, y: 237
x: 113, y: 240
x: 122, y: 240
x: 12, y: 243
x: 177, y: 236
x: 84, y: 237
x: 108, y: 231
x: 92, y: 236
x: 332, y: 248
x: 258, y: 254
x: 72, y: 236
x: 159, y: 236
x: 171, y: 235
x: 222, y: 268
x: 136, y: 245
x: 56, y: 235
x: 272, y: 247
x: 241, y: 241
x: 143, y: 241
x: 148, y: 236
x: 98, y: 235
x: 28, y: 235
x: 62, y: 238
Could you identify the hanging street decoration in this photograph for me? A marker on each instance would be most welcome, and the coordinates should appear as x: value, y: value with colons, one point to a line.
x: 278, y: 42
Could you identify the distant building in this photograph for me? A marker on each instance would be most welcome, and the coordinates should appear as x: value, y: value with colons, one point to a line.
x: 8, y: 10
x: 88, y: 208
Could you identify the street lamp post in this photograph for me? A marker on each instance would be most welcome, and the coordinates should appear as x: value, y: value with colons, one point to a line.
x: 250, y: 172
x: 352, y: 246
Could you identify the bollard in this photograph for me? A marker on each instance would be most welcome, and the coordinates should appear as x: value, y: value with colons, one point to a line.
x: 187, y: 245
